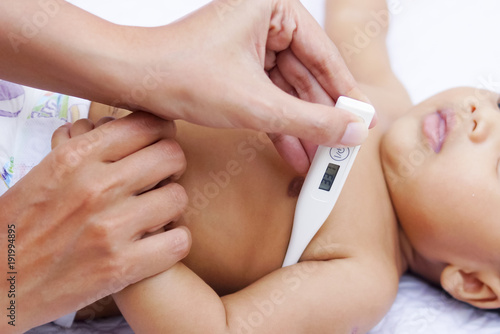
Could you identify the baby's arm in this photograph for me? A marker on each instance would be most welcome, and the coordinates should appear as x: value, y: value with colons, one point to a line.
x: 342, y: 295
x: 359, y: 29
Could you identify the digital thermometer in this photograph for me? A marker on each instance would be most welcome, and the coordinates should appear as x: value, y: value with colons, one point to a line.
x: 324, y: 181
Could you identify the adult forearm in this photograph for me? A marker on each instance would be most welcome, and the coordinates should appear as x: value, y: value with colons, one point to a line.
x: 56, y: 46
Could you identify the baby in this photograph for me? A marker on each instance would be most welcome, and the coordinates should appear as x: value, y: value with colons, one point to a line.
x: 442, y: 166
x: 444, y: 196
x: 413, y: 201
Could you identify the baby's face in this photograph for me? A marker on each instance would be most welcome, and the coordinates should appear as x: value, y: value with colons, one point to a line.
x: 442, y: 166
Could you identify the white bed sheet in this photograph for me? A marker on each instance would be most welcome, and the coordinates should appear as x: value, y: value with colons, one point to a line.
x: 434, y: 45
x: 438, y: 44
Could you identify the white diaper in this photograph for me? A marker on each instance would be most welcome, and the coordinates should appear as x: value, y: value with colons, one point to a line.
x: 28, y: 117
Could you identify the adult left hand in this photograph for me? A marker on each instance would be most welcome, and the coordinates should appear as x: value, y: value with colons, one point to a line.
x: 225, y: 65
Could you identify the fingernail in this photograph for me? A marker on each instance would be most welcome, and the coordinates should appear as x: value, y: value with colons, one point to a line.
x: 355, y: 134
x: 181, y: 240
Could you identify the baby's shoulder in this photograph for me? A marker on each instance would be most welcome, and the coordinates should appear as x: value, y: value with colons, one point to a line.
x: 368, y: 283
x: 369, y: 255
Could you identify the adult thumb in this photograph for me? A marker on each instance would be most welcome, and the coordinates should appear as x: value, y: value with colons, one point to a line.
x: 316, y: 123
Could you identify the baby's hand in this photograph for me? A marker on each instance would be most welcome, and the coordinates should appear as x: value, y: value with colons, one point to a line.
x: 71, y: 130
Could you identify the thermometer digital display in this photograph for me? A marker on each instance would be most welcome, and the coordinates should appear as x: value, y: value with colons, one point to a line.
x: 324, y: 181
x: 329, y: 177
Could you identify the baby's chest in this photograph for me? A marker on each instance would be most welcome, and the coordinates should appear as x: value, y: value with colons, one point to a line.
x: 233, y: 246
x: 240, y: 209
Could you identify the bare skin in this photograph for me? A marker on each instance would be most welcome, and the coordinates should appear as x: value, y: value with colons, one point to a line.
x: 227, y: 48
x: 240, y: 234
x: 347, y: 278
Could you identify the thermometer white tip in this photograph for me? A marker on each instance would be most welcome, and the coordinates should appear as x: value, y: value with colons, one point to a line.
x: 324, y: 181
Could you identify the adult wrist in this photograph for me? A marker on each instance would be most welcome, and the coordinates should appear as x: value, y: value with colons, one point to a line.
x: 153, y: 76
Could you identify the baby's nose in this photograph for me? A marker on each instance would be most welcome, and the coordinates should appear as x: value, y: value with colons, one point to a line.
x: 483, y: 122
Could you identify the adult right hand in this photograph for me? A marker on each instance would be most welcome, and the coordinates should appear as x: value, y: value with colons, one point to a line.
x: 78, y: 218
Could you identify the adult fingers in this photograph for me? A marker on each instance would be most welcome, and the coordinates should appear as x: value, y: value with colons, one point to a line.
x: 158, y: 253
x: 294, y: 76
x: 321, y: 124
x: 325, y: 63
x: 156, y: 208
x: 289, y: 148
x: 117, y: 139
x: 299, y: 77
x: 294, y: 28
x: 80, y: 127
x: 61, y: 135
x: 104, y: 120
x: 306, y: 86
x: 145, y: 168
x: 277, y: 78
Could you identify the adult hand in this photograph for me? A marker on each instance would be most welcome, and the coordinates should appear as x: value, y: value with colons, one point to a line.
x: 223, y: 66
x: 78, y: 217
x: 216, y: 67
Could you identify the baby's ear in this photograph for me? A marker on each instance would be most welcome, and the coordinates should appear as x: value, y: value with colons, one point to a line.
x: 480, y: 289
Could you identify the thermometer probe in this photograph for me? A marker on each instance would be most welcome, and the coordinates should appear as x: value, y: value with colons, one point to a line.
x: 324, y: 181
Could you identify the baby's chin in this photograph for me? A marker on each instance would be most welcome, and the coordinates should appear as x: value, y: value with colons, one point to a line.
x: 394, y: 146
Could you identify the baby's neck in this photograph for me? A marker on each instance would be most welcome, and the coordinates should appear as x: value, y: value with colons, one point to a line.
x: 405, y: 251
x: 414, y: 262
